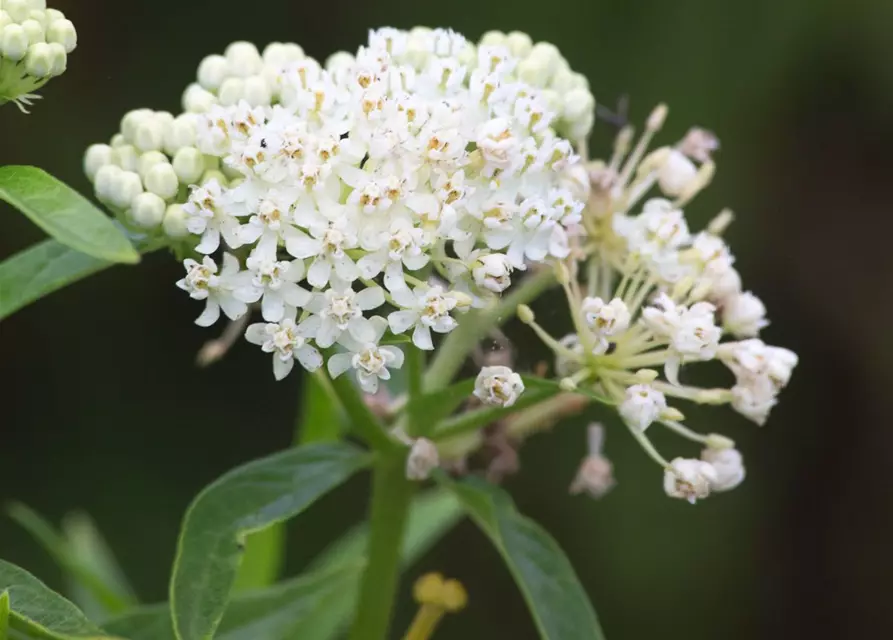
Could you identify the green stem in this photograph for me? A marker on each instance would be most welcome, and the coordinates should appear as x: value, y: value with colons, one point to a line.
x: 361, y: 418
x: 479, y: 418
x: 391, y: 495
x: 475, y: 326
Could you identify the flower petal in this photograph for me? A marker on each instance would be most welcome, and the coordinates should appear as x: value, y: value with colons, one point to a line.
x: 338, y: 364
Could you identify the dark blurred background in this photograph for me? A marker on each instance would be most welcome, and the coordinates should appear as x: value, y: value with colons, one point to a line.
x: 104, y: 410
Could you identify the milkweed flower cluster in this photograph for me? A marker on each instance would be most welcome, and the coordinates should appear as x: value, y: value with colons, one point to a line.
x: 365, y: 204
x: 34, y: 47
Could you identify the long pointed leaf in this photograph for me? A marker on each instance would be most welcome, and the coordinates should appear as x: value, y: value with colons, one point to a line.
x: 556, y: 599
x: 65, y: 214
x: 243, y: 501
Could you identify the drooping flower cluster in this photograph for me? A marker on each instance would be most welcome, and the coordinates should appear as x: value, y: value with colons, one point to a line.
x: 34, y: 47
x: 644, y: 292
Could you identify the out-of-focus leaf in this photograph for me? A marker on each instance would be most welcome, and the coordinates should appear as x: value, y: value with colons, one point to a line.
x: 279, y: 612
x: 84, y: 558
x: 36, y: 611
x: 244, y: 501
x: 556, y: 599
x: 65, y: 214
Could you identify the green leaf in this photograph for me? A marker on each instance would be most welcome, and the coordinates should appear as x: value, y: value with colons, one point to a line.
x: 243, y: 501
x: 431, y: 516
x: 554, y: 595
x: 4, y: 615
x: 321, y: 417
x: 46, y: 267
x: 99, y: 581
x: 278, y: 612
x: 65, y: 214
x: 262, y: 560
x: 437, y: 405
x: 90, y: 550
x: 38, y: 612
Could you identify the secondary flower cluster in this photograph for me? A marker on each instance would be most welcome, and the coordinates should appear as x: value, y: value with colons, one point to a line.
x: 34, y: 47
x: 644, y: 291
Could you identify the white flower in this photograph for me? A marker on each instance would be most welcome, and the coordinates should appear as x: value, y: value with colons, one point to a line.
x: 754, y: 398
x: 287, y: 342
x: 596, y: 473
x: 641, y: 406
x: 203, y: 282
x: 402, y: 246
x: 691, y: 331
x: 728, y: 465
x: 207, y: 216
x: 743, y: 314
x: 689, y: 479
x: 749, y: 359
x: 492, y: 272
x: 341, y: 310
x: 658, y: 228
x: 605, y: 319
x: 371, y: 361
x: 275, y: 282
x: 426, y: 309
x: 327, y: 246
x: 422, y: 460
x: 498, y: 386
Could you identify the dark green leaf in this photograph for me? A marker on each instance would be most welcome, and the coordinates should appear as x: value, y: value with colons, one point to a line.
x: 554, y: 595
x: 37, y: 611
x: 98, y: 580
x: 65, y: 214
x: 275, y: 613
x: 243, y: 501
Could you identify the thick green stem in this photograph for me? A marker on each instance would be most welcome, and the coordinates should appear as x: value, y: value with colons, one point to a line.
x: 391, y: 495
x: 475, y: 327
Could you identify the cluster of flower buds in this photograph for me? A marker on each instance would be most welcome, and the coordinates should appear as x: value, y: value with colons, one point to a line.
x: 34, y: 47
x: 645, y: 292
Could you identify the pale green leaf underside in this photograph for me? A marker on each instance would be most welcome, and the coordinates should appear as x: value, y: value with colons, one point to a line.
x: 556, y: 599
x: 65, y: 214
x: 243, y: 501
x: 38, y: 612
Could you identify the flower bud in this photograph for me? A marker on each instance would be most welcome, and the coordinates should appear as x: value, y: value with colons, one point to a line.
x: 493, y: 272
x: 147, y: 161
x: 174, y: 221
x: 422, y: 460
x: 728, y: 465
x: 689, y: 479
x: 13, y: 42
x: 197, y: 100
x: 34, y: 30
x: 656, y: 119
x: 131, y: 122
x: 53, y: 14
x: 494, y: 39
x: 179, y: 133
x: 126, y: 157
x: 243, y: 59
x: 567, y: 384
x: 525, y: 314
x: 106, y: 176
x: 124, y: 188
x: 719, y: 441
x: 595, y: 477
x: 189, y: 165
x: 277, y: 54
x: 18, y: 10
x: 4, y: 20
x: 578, y: 104
x: 743, y: 315
x: 519, y: 43
x: 257, y: 91
x: 62, y: 32
x: 498, y: 386
x: 59, y: 59
x: 149, y: 135
x: 147, y: 210
x: 339, y: 61
x: 231, y: 91
x: 39, y: 60
x: 212, y: 71
x: 162, y: 180
x: 676, y: 174
x: 96, y: 157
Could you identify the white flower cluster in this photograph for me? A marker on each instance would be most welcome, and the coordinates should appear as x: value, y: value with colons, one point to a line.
x: 333, y: 191
x: 34, y: 47
x: 645, y: 292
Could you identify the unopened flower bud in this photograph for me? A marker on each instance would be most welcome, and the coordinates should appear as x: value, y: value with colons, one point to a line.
x: 339, y: 61
x: 124, y: 188
x: 728, y: 465
x: 212, y: 71
x: 525, y: 314
x: 277, y: 54
x: 493, y: 272
x: 189, y: 165
x: 96, y: 157
x: 147, y: 161
x: 719, y: 441
x: 197, y: 100
x: 676, y: 173
x: 498, y: 386
x: 721, y: 222
x: 59, y: 59
x: 39, y: 60
x: 647, y: 376
x: 149, y: 135
x: 127, y: 157
x: 422, y: 460
x: 231, y: 91
x: 162, y: 180
x: 672, y: 414
x: 257, y: 91
x: 243, y: 58
x: 34, y: 30
x: 62, y: 32
x: 743, y: 315
x: 493, y: 39
x: 52, y: 15
x: 641, y: 406
x: 18, y: 10
x: 567, y: 384
x: 106, y: 176
x: 179, y: 133
x: 519, y: 43
x: 147, y: 210
x: 13, y: 42
x: 174, y: 221
x: 656, y: 119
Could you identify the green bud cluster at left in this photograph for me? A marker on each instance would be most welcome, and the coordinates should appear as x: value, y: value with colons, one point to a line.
x: 34, y: 47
